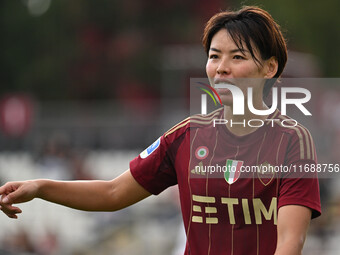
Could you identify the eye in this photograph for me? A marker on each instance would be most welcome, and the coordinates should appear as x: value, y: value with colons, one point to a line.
x: 238, y: 57
x: 212, y: 56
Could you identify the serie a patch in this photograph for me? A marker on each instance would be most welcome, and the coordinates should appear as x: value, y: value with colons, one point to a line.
x: 147, y: 152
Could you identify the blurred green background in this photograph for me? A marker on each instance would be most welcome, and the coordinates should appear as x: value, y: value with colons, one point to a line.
x: 83, y: 49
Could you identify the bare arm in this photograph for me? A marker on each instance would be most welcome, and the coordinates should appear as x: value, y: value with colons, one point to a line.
x: 293, y: 222
x: 83, y: 195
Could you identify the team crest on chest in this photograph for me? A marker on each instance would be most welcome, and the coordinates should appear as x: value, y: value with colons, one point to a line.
x: 233, y: 170
x: 265, y: 173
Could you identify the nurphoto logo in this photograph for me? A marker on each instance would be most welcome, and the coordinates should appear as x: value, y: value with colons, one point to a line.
x: 238, y: 100
x: 301, y: 97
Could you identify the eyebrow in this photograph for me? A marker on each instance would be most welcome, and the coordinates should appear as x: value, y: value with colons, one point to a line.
x: 232, y: 51
x: 214, y: 49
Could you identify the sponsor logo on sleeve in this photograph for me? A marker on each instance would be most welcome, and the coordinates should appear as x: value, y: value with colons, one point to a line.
x: 147, y: 152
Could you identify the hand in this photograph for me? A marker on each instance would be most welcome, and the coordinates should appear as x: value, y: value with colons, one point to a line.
x: 16, y: 192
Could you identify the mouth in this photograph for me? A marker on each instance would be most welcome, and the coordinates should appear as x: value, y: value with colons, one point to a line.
x: 220, y: 83
x: 222, y: 88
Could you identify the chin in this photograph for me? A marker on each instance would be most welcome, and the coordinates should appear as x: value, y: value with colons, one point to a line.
x: 227, y: 100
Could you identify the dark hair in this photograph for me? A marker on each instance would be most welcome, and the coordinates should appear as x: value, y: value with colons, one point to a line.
x: 251, y: 25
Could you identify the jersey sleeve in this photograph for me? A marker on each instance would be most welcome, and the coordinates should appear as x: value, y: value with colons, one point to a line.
x: 300, y: 186
x: 153, y: 169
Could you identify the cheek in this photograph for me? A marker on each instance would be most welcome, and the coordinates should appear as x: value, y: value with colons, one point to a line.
x: 248, y: 70
x: 209, y: 69
x: 243, y: 71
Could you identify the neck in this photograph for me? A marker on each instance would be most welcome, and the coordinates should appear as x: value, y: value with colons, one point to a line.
x: 238, y: 124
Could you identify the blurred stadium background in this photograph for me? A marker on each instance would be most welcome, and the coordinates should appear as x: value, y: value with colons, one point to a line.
x: 87, y: 85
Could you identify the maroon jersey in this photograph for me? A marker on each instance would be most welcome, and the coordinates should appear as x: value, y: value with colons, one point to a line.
x: 224, y: 211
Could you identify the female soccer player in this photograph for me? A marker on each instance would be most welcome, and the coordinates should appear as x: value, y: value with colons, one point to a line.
x: 240, y: 213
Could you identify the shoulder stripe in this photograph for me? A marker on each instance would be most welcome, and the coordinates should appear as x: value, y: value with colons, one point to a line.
x: 309, y: 142
x: 302, y: 148
x: 207, y: 117
x: 305, y: 140
x: 198, y: 119
x: 202, y: 122
x: 312, y: 148
x: 205, y: 122
x: 178, y: 126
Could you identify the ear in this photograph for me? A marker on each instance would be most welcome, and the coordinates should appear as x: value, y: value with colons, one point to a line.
x: 271, y: 67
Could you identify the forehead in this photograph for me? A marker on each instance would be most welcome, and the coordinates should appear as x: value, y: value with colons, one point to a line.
x: 223, y: 40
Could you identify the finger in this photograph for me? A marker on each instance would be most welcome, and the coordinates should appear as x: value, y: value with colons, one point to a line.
x: 4, y: 199
x: 10, y: 209
x: 9, y: 214
x: 9, y: 187
x: 11, y: 197
x: 12, y: 216
x: 2, y: 189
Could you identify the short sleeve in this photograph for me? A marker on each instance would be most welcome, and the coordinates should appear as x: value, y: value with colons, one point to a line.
x: 153, y: 169
x: 300, y: 186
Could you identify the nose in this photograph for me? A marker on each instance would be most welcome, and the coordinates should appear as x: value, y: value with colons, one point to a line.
x: 223, y: 68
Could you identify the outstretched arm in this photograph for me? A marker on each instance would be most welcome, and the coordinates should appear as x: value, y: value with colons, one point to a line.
x: 83, y: 195
x: 292, y: 225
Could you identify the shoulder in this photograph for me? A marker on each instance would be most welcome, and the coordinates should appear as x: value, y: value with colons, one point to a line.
x: 193, y: 122
x: 290, y: 126
x: 298, y: 135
